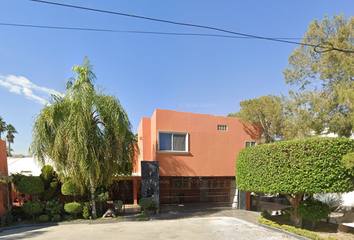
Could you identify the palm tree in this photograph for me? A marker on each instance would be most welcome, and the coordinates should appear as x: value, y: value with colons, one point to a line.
x: 10, y: 137
x: 3, y: 126
x: 86, y: 135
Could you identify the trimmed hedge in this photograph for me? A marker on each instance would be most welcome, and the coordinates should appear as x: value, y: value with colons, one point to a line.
x: 43, y: 218
x: 308, y: 165
x: 313, y: 210
x: 33, y: 208
x: 30, y: 185
x: 69, y: 189
x: 298, y: 231
x: 73, y: 208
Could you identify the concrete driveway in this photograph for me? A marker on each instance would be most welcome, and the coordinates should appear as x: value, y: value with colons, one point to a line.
x: 190, y: 228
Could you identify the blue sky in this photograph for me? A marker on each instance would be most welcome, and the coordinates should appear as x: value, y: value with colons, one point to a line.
x: 184, y: 73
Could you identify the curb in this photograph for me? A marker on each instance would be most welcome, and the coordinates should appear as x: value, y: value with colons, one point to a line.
x: 282, y: 231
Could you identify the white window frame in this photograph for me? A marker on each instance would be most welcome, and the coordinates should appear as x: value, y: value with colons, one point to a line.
x: 222, y: 128
x: 255, y: 143
x: 172, y: 151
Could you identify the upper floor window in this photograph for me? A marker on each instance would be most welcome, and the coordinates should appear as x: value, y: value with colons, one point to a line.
x: 173, y: 142
x: 249, y: 143
x: 222, y: 127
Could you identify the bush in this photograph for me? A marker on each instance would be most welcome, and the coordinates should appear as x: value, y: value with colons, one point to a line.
x: 70, y: 189
x: 30, y: 185
x: 333, y: 200
x: 43, y: 218
x: 51, y: 190
x: 86, y: 212
x: 307, y: 165
x: 145, y: 203
x: 313, y: 210
x: 265, y: 214
x: 53, y: 207
x: 73, y: 208
x: 33, y: 208
x: 9, y: 218
x: 153, y: 206
x: 47, y: 175
x: 56, y: 217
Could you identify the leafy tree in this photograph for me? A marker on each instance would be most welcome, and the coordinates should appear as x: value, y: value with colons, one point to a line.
x: 326, y: 80
x: 3, y: 126
x: 295, y: 167
x: 86, y: 134
x: 10, y: 137
x: 261, y: 117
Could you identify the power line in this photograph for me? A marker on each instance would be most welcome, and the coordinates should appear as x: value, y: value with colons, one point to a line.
x: 316, y: 47
x: 172, y: 22
x: 127, y: 31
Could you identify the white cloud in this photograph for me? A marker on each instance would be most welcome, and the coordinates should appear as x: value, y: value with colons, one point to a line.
x: 22, y: 86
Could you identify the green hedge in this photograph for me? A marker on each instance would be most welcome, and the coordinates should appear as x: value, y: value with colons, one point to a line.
x: 298, y: 231
x: 33, y: 208
x: 73, y: 208
x: 70, y: 189
x: 308, y: 165
x: 30, y: 185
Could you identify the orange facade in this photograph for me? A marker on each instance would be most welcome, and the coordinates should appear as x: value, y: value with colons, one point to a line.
x: 3, y: 170
x: 210, y: 150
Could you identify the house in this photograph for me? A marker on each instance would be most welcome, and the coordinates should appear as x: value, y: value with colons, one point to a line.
x: 4, y: 188
x: 196, y: 154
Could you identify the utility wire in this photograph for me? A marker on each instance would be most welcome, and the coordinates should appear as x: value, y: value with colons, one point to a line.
x: 126, y: 31
x: 317, y: 48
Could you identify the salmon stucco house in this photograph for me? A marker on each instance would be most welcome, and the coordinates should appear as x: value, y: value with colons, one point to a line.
x: 195, y: 154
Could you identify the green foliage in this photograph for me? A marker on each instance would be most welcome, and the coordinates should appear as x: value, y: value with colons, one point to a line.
x: 47, y: 175
x: 313, y: 210
x: 142, y: 215
x: 102, y: 196
x: 53, y: 207
x: 30, y: 185
x: 15, y: 179
x: 145, y: 202
x: 51, y: 190
x: 298, y: 231
x: 348, y: 160
x: 33, y: 208
x: 56, y: 217
x: 265, y: 214
x: 43, y: 218
x: 9, y: 218
x: 70, y: 189
x: 86, y: 213
x: 73, y: 208
x: 85, y: 133
x: 309, y: 165
x: 261, y: 117
x: 153, y: 206
x: 327, y: 77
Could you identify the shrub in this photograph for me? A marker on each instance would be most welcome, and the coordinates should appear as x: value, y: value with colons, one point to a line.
x: 86, y: 212
x: 313, y: 210
x: 145, y: 203
x: 153, y: 206
x: 53, y: 207
x: 47, y: 175
x: 9, y: 218
x: 333, y: 200
x: 51, y: 190
x: 33, y: 208
x: 73, y: 208
x: 30, y: 185
x: 265, y: 214
x: 43, y: 218
x: 56, y: 217
x: 70, y: 189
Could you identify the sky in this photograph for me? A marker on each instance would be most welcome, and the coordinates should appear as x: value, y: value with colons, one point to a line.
x: 200, y: 74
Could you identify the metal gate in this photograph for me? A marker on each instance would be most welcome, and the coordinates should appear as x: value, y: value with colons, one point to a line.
x: 196, y: 193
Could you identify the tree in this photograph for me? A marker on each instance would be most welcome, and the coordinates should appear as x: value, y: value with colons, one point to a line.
x: 3, y: 126
x: 327, y: 78
x: 10, y: 137
x: 261, y: 115
x: 85, y: 134
x: 296, y: 167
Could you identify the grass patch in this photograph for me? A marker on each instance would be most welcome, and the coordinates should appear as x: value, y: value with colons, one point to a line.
x: 298, y: 231
x: 142, y: 215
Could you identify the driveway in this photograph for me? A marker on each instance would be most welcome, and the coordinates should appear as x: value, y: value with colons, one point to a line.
x: 190, y: 228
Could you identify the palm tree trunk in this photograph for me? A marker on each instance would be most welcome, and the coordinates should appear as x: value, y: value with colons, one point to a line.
x: 9, y: 151
x: 93, y: 202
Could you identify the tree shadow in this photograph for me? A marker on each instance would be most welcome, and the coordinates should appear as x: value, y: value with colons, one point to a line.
x: 25, y: 231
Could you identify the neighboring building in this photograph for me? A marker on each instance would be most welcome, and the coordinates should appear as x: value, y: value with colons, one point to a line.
x: 4, y: 188
x: 196, y: 154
